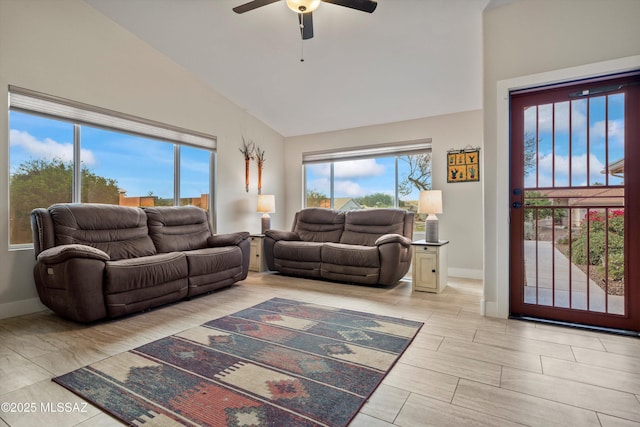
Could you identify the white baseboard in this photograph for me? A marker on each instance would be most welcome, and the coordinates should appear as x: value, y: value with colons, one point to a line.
x: 18, y: 308
x: 466, y: 273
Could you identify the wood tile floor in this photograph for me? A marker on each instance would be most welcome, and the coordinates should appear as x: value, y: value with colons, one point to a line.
x: 462, y: 368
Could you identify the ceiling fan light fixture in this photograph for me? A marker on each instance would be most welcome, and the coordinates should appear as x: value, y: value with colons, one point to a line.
x: 303, y: 6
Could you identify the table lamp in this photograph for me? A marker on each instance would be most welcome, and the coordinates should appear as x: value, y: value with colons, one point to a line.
x: 266, y: 205
x: 430, y: 203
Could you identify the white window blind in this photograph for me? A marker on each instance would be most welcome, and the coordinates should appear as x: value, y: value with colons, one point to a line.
x: 26, y: 100
x: 381, y: 150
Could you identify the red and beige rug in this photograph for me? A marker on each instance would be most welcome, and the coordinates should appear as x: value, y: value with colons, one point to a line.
x: 279, y: 363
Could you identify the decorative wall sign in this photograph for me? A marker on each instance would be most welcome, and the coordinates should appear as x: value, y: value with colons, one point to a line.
x: 463, y: 165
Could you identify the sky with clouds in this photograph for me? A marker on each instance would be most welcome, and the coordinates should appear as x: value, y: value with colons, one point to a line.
x: 358, y: 178
x: 142, y: 166
x: 139, y: 165
x: 591, y: 127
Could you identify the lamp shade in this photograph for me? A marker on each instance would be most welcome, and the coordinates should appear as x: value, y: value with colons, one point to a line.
x: 266, y: 203
x: 430, y: 202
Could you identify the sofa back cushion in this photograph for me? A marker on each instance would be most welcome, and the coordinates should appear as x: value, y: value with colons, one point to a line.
x: 119, y: 231
x: 180, y: 228
x: 363, y: 227
x: 319, y: 225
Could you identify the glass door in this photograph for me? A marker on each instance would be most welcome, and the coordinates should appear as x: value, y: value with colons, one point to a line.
x: 574, y: 188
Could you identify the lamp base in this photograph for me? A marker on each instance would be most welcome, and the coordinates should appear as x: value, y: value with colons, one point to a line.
x: 266, y: 222
x: 431, y: 229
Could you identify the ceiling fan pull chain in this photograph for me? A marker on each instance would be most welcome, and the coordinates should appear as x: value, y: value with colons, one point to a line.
x: 301, y: 50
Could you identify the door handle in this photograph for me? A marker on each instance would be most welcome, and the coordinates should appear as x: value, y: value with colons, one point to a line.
x: 517, y: 192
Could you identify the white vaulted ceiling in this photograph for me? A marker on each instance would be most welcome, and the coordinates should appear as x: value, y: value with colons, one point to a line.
x: 409, y: 59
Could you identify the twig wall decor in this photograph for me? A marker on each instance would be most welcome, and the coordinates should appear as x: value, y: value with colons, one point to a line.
x: 260, y: 159
x: 247, y: 152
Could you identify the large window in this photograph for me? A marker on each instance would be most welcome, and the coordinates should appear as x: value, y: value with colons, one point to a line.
x: 389, y: 176
x: 56, y: 157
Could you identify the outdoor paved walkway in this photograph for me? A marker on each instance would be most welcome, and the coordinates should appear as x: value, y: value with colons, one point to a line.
x: 547, y: 270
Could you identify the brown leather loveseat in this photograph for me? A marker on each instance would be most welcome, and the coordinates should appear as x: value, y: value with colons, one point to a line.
x: 370, y: 246
x: 97, y: 260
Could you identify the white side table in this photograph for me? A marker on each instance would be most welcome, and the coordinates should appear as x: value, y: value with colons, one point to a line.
x: 429, y: 266
x: 256, y: 258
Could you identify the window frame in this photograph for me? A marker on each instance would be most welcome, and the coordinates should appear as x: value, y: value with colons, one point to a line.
x: 79, y: 114
x: 395, y: 150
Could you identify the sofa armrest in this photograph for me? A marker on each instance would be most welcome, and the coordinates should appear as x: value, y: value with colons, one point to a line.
x: 229, y: 239
x: 58, y: 254
x: 282, y: 235
x: 393, y: 238
x: 69, y: 280
x: 271, y: 237
x: 395, y: 257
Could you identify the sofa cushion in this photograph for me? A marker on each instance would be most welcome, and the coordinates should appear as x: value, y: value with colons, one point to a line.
x: 180, y: 228
x: 131, y: 285
x: 319, y: 225
x: 211, y: 260
x: 298, y: 257
x: 213, y: 268
x: 144, y: 273
x: 298, y: 250
x: 119, y: 231
x: 366, y: 226
x: 355, y: 255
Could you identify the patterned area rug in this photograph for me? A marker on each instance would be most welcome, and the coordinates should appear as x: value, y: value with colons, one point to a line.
x: 279, y: 363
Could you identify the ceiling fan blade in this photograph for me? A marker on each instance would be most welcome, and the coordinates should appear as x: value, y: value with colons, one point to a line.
x: 362, y: 5
x: 306, y: 25
x: 252, y: 5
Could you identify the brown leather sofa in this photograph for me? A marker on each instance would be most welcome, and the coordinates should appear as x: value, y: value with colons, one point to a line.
x: 370, y: 247
x: 99, y: 261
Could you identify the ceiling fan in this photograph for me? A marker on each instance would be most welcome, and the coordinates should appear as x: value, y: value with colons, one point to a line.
x: 304, y: 9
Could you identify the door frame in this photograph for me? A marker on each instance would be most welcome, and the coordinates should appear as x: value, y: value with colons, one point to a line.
x: 496, y: 270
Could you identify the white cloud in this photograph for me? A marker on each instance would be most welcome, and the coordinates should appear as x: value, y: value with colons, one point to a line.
x: 350, y: 169
x: 48, y: 148
x: 320, y: 169
x: 578, y: 171
x: 342, y: 188
x: 545, y: 123
x: 615, y: 131
x: 346, y: 188
x: 322, y: 185
x: 578, y: 122
x: 358, y: 168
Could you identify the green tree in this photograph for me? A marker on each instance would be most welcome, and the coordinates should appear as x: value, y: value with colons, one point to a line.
x: 41, y: 183
x: 316, y: 199
x: 534, y: 198
x: 376, y: 200
x: 98, y: 189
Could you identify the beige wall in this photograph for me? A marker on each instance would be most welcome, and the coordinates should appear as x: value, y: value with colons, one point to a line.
x: 66, y: 48
x: 530, y: 43
x: 461, y: 221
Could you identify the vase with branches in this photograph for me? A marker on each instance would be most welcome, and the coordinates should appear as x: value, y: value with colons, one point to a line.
x: 260, y: 158
x: 247, y: 150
